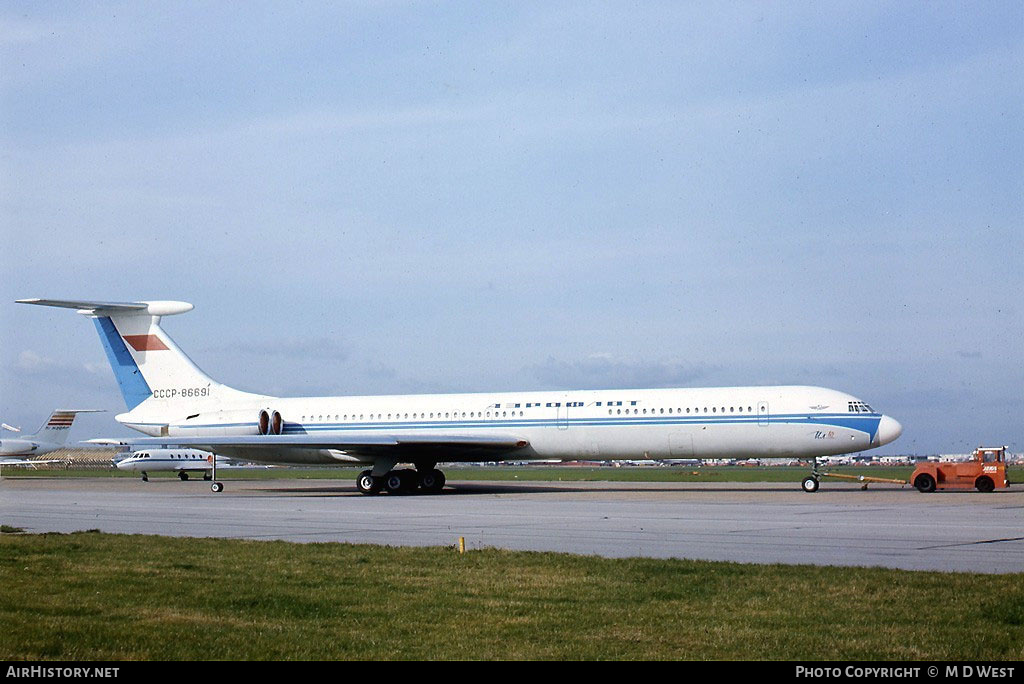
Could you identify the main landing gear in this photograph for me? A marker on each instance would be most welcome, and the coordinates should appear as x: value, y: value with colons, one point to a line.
x: 406, y: 481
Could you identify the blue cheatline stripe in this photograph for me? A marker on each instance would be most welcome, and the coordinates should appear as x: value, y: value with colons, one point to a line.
x: 193, y: 461
x: 134, y: 387
x: 867, y: 424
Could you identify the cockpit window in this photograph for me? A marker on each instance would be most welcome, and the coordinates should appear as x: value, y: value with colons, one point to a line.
x: 859, y: 407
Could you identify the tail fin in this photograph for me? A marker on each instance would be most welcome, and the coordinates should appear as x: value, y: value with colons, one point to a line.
x: 55, y: 430
x: 146, y: 362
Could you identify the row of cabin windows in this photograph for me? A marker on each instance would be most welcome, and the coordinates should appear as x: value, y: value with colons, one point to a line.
x: 505, y: 414
x: 462, y: 414
x: 714, y: 409
x: 416, y: 416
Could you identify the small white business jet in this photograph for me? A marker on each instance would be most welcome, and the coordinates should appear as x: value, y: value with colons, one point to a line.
x: 51, y: 436
x: 181, y: 461
x: 169, y: 398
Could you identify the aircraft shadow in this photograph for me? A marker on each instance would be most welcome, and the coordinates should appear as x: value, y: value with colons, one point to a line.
x: 449, y: 490
x: 486, y: 488
x: 469, y: 488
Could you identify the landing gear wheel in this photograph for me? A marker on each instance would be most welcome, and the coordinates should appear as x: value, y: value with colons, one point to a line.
x: 183, y: 476
x: 985, y: 484
x: 432, y: 481
x: 810, y: 484
x: 401, y: 481
x: 367, y: 484
x: 925, y: 483
x: 145, y: 477
x: 217, y: 487
x: 394, y: 482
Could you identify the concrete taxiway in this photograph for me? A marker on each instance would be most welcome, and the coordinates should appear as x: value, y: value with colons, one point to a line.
x: 884, y: 526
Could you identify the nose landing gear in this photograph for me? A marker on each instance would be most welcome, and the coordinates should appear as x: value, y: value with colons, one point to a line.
x: 810, y: 483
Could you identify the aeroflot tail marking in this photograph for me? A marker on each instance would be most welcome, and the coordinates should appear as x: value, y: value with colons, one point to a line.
x: 145, y: 342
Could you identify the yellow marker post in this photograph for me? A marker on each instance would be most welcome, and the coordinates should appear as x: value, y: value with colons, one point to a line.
x: 462, y: 545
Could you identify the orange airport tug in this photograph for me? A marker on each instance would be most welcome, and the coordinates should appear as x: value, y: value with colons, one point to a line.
x: 985, y: 471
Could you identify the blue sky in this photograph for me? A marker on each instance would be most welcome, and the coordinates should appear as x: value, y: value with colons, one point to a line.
x: 379, y: 197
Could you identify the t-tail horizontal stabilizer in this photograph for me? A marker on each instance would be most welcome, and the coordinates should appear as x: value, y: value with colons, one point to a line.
x: 148, y: 365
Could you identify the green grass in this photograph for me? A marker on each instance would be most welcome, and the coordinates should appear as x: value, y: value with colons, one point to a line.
x: 97, y: 596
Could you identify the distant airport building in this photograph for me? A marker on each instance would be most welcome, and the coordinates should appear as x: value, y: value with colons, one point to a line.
x: 894, y: 460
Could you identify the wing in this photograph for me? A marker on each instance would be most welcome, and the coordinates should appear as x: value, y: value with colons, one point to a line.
x: 368, y: 446
x: 12, y: 462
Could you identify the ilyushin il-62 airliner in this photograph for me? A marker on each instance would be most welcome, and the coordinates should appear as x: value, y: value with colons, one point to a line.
x: 176, y: 403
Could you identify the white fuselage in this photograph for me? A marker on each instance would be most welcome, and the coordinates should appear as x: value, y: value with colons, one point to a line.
x: 18, y: 447
x: 155, y: 460
x: 734, y: 422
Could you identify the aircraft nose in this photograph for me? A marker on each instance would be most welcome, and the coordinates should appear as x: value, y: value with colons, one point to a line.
x: 889, y: 429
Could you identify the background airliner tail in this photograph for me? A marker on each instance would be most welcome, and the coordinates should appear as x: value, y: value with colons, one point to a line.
x: 147, y: 364
x: 55, y: 430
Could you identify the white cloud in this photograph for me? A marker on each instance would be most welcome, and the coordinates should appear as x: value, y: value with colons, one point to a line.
x: 606, y: 371
x: 33, y: 363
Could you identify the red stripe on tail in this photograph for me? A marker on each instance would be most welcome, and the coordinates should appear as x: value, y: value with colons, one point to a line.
x: 145, y: 342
